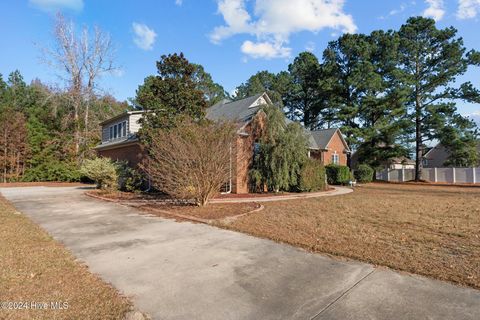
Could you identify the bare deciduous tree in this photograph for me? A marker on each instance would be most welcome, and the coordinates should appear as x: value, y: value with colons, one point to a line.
x: 81, y: 61
x: 191, y: 161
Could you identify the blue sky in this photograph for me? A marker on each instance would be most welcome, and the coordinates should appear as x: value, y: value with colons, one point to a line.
x: 232, y: 39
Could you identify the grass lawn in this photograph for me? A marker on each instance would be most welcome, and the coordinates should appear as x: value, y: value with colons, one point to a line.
x: 35, y: 268
x: 428, y: 230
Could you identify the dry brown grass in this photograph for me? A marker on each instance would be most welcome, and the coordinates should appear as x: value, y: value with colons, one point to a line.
x: 428, y: 230
x: 35, y: 268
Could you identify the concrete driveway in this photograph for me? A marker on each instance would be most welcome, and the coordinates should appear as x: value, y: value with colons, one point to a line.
x: 192, y: 271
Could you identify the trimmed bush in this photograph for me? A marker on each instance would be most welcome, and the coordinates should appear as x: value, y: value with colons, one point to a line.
x: 337, y: 174
x: 364, y: 173
x: 103, y: 171
x: 130, y: 179
x: 312, y: 176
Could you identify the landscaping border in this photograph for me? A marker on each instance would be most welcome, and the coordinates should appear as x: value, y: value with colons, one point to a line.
x: 182, y: 216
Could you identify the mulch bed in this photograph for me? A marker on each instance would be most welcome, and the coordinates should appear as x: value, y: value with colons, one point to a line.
x: 162, y: 205
x: 260, y: 195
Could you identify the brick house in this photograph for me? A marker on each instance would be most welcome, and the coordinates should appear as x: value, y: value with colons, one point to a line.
x: 120, y: 142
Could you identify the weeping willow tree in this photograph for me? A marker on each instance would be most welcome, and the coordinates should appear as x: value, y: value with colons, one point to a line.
x: 280, y: 153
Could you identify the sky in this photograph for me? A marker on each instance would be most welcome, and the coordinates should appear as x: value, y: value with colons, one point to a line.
x: 232, y: 39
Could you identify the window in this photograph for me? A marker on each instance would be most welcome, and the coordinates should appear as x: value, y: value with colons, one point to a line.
x: 118, y: 130
x: 335, y: 159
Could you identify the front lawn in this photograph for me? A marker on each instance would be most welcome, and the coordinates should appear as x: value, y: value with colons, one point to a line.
x: 429, y: 230
x: 36, y: 271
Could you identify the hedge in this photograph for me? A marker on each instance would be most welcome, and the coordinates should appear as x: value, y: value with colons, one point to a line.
x: 337, y: 174
x: 312, y: 176
x: 364, y: 173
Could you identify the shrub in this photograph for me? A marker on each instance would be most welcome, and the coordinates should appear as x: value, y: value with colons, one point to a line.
x: 282, y: 149
x: 312, y: 176
x: 337, y: 174
x: 364, y: 173
x: 53, y: 171
x: 191, y: 161
x: 103, y: 171
x: 129, y: 179
x: 256, y: 180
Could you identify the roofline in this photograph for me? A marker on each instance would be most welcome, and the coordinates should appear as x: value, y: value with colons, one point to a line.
x: 438, y: 144
x: 117, y: 145
x: 345, y: 144
x: 121, y: 115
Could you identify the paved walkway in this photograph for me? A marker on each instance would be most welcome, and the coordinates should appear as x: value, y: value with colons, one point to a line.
x: 194, y: 271
x: 335, y: 192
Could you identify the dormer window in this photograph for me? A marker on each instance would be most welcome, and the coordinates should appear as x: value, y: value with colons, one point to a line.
x: 118, y: 130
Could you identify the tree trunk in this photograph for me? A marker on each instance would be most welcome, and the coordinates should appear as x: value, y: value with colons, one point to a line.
x: 418, y: 140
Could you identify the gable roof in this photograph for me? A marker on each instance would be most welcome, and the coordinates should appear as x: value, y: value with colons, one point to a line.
x: 321, y: 138
x: 240, y: 110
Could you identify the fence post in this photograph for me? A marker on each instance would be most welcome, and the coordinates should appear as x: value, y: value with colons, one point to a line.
x: 435, y: 174
x: 388, y: 175
x: 474, y: 175
x: 453, y: 175
x: 403, y: 174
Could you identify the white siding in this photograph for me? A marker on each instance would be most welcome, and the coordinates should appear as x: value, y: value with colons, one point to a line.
x: 134, y: 125
x: 106, y: 127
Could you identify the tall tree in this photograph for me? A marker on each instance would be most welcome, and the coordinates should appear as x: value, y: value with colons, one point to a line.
x: 171, y: 95
x: 275, y: 85
x: 302, y: 100
x: 431, y: 62
x: 213, y: 91
x: 81, y: 60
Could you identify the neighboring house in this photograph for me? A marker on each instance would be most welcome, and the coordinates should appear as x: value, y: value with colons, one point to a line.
x: 328, y: 145
x: 400, y: 163
x: 438, y: 155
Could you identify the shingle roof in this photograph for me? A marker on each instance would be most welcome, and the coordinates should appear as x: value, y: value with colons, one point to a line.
x: 241, y: 111
x: 321, y: 138
x: 235, y: 110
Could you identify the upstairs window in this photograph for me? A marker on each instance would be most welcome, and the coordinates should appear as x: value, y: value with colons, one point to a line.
x: 335, y: 159
x: 118, y: 130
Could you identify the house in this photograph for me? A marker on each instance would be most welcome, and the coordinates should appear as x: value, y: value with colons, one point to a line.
x: 121, y: 142
x: 119, y: 138
x: 438, y: 155
x: 399, y: 163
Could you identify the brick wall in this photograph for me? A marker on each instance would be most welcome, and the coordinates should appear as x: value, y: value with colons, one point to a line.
x: 335, y: 146
x: 132, y: 153
x: 243, y: 155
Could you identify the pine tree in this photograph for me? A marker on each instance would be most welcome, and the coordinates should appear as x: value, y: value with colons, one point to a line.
x: 431, y: 62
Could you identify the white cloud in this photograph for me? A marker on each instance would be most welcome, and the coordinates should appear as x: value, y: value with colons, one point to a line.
x: 54, y: 5
x: 475, y: 116
x: 310, y: 46
x: 272, y: 22
x: 178, y: 2
x: 468, y: 9
x: 144, y: 36
x: 265, y: 50
x: 435, y: 10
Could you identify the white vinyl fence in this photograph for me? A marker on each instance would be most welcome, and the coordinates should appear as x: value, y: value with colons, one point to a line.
x: 446, y: 175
